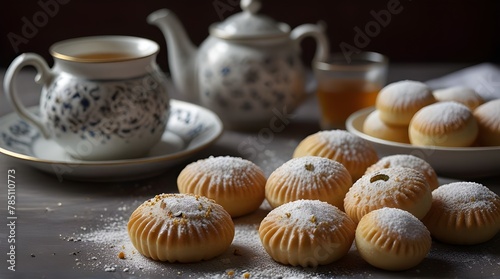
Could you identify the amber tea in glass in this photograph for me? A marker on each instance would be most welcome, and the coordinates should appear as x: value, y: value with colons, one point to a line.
x: 348, y: 84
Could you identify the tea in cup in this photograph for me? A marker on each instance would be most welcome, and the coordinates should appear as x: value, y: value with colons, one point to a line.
x: 347, y: 85
x: 105, y: 98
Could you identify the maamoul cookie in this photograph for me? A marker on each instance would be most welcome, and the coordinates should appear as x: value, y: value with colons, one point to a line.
x: 399, y: 101
x: 306, y: 233
x: 463, y: 213
x: 407, y: 161
x: 392, y: 239
x: 236, y: 184
x: 180, y: 228
x: 310, y: 178
x: 375, y: 127
x: 460, y: 94
x: 397, y: 187
x: 488, y: 119
x: 351, y: 151
x: 449, y: 124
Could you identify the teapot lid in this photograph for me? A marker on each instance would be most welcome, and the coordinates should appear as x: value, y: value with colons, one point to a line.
x: 249, y: 25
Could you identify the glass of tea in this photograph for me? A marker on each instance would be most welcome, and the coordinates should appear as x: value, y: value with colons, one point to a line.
x: 346, y: 84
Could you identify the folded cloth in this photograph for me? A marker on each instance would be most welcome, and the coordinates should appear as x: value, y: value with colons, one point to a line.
x: 484, y: 78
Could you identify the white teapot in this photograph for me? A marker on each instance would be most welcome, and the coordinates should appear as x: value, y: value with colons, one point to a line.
x: 247, y: 70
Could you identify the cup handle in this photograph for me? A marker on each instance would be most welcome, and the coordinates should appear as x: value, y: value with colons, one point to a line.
x: 316, y: 32
x: 44, y: 76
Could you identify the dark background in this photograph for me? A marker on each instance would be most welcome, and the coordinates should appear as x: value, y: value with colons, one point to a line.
x: 424, y: 31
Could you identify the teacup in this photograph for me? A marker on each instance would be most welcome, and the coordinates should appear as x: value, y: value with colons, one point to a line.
x: 105, y: 98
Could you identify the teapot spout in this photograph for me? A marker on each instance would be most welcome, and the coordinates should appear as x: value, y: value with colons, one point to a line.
x: 181, y: 52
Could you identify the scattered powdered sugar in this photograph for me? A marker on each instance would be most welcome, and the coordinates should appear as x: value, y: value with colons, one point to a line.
x: 113, y: 239
x: 98, y: 247
x: 401, y: 222
x: 110, y: 250
x: 467, y: 196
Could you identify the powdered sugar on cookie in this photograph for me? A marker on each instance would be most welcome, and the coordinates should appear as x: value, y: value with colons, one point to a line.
x: 307, y: 215
x: 466, y: 197
x: 401, y: 222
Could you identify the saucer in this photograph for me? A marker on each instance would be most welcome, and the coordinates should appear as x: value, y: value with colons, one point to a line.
x: 190, y: 129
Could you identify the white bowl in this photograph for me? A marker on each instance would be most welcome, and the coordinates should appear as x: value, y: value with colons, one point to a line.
x: 463, y: 162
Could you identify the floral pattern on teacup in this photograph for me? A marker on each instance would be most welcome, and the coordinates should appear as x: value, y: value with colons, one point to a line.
x: 104, y: 110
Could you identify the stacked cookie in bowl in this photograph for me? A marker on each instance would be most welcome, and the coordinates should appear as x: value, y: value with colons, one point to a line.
x: 410, y: 112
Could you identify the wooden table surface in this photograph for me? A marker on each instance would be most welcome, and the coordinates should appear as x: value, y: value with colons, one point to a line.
x: 58, y: 222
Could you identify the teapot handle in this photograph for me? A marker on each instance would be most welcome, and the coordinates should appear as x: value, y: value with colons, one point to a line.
x: 44, y: 76
x: 317, y: 32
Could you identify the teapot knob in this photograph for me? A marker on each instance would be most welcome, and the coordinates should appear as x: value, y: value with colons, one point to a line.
x: 252, y: 6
